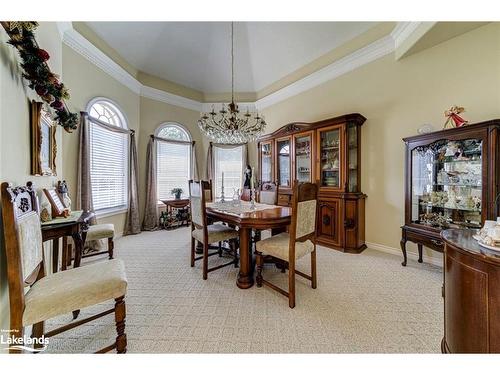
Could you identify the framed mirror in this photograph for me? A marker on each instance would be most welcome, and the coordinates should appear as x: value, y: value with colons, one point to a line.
x: 43, y: 141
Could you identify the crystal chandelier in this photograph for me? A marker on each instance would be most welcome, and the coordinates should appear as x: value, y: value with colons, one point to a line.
x: 229, y: 125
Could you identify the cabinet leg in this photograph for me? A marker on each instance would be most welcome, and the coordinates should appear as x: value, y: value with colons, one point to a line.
x: 403, y: 249
x: 420, y: 248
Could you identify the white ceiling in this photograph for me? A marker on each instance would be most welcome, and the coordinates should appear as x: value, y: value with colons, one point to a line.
x: 197, y: 54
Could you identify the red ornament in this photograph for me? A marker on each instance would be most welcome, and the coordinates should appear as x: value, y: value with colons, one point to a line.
x: 42, y: 54
x: 57, y: 104
x: 41, y: 90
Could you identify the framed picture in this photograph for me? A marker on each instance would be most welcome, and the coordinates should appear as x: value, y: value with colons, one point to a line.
x: 58, y: 208
x: 43, y: 141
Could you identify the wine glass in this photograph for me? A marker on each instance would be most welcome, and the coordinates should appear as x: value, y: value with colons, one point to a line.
x: 236, y: 196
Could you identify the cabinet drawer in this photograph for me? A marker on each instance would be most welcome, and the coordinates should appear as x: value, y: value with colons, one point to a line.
x: 428, y: 240
x: 284, y: 200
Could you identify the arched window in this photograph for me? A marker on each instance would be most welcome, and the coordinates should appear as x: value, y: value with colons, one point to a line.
x: 108, y: 156
x: 173, y: 160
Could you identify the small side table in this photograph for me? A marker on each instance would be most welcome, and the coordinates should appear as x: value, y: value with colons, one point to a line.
x: 173, y: 207
x: 74, y: 226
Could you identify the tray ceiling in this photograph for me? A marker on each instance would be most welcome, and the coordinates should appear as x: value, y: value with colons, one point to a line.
x: 197, y: 54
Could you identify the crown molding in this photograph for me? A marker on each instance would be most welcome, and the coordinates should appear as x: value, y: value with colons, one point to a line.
x: 62, y: 27
x: 402, y: 31
x: 342, y: 66
x: 166, y: 97
x: 79, y: 44
x: 358, y: 58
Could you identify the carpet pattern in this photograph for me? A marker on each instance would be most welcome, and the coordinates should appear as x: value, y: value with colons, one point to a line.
x: 364, y: 303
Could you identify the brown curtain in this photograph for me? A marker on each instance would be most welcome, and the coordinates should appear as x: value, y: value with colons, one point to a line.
x: 150, y: 221
x: 210, y: 163
x: 84, y: 188
x: 132, y: 222
x: 194, y: 172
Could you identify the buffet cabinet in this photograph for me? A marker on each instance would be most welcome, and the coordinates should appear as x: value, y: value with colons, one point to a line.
x: 452, y: 182
x: 471, y: 295
x: 326, y: 152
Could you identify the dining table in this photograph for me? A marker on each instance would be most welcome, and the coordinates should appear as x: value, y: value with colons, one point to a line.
x: 247, y: 216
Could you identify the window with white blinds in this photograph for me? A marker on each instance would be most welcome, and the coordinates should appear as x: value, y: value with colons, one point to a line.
x: 173, y: 161
x: 108, y: 158
x: 229, y: 161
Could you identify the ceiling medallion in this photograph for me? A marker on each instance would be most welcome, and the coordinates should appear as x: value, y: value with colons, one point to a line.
x: 229, y: 125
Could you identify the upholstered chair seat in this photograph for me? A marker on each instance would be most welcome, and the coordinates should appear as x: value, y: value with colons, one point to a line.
x: 100, y: 231
x: 74, y: 289
x: 278, y: 247
x: 216, y: 233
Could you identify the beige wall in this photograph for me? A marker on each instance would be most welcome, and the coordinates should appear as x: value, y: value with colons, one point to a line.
x: 397, y: 97
x: 15, y: 129
x: 153, y: 114
x: 86, y: 81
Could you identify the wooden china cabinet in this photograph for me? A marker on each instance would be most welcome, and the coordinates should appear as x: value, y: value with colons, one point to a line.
x: 452, y: 182
x: 327, y: 152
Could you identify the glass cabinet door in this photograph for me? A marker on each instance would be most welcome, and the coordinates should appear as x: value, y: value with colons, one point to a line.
x: 283, y: 152
x: 303, y: 158
x: 352, y: 159
x: 447, y: 184
x: 329, y: 157
x: 266, y: 162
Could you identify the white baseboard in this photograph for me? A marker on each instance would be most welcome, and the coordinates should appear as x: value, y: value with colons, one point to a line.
x: 437, y: 261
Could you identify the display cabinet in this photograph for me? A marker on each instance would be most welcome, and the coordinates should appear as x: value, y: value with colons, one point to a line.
x: 266, y: 161
x: 326, y: 152
x: 284, y: 162
x: 302, y: 146
x: 451, y: 183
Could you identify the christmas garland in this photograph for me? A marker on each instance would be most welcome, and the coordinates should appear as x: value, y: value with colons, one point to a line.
x: 37, y: 72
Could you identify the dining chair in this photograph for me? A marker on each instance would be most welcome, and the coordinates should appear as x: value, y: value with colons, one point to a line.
x: 48, y: 296
x: 98, y: 232
x: 208, y: 189
x: 300, y: 241
x: 268, y: 193
x: 206, y: 233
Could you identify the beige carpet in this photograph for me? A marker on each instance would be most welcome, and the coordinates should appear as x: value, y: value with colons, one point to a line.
x: 364, y: 303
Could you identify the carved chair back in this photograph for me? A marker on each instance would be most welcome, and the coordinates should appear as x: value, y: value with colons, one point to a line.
x: 304, y: 206
x: 197, y: 194
x: 207, y: 188
x: 268, y: 193
x: 23, y: 244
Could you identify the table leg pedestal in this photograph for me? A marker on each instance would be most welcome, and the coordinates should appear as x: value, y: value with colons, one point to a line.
x: 245, y: 275
x: 55, y: 255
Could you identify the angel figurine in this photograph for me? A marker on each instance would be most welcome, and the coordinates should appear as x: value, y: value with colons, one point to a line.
x: 453, y: 118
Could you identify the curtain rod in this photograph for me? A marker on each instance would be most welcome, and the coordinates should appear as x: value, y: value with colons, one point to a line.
x: 171, y: 140
x: 108, y: 126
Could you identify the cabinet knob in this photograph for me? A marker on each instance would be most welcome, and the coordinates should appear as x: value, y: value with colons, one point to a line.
x: 349, y: 223
x: 326, y: 220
